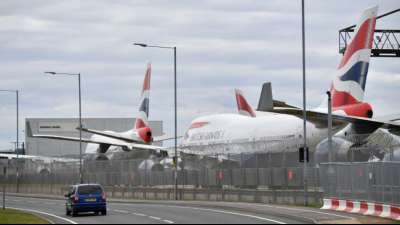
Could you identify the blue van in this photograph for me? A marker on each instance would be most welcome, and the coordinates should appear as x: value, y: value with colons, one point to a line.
x: 86, y: 198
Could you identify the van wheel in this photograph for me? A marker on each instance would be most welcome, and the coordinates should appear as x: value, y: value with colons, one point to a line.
x: 104, y: 212
x: 74, y: 213
x: 68, y: 213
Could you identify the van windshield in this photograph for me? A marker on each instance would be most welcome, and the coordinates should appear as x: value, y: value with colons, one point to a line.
x: 90, y: 190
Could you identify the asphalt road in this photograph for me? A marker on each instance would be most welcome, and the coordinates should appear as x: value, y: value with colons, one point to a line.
x: 183, y: 212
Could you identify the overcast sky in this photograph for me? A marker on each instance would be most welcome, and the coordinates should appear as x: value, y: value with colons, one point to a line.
x: 222, y: 45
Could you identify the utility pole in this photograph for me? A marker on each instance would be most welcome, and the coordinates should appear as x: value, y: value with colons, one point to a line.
x: 304, y: 108
x: 330, y: 126
x: 17, y: 144
x: 17, y: 134
x: 175, y: 159
x: 81, y: 176
x: 4, y: 186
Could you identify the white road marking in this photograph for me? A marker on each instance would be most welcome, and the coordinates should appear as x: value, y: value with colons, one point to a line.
x: 121, y: 211
x: 231, y: 213
x: 154, y: 218
x: 44, y: 213
x: 160, y: 219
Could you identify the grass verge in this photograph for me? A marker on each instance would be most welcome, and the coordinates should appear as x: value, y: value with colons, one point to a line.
x: 10, y: 216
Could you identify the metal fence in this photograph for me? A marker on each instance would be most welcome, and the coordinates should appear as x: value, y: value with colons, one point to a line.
x: 276, y: 167
x: 277, y: 178
x: 37, y: 177
x: 372, y: 181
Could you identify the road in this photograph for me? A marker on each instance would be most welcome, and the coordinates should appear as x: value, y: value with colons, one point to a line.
x: 177, y: 212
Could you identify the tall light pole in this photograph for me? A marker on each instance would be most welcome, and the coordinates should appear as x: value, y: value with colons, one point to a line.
x: 17, y: 132
x: 304, y: 106
x: 176, y: 110
x: 80, y: 119
x: 330, y: 126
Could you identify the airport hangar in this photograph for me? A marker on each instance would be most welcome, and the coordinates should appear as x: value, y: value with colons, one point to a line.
x: 67, y: 127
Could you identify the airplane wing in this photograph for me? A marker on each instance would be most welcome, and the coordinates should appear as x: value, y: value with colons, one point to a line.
x: 322, y: 117
x: 277, y: 103
x: 35, y: 157
x: 392, y: 118
x: 124, y: 146
x: 115, y: 136
x: 84, y: 140
x: 165, y: 138
x: 14, y: 156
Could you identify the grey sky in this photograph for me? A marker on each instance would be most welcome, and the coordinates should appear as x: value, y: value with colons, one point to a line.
x: 222, y: 45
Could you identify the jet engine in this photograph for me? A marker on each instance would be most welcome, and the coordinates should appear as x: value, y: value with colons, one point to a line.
x: 43, y: 170
x: 395, y: 157
x: 360, y: 109
x: 145, y: 134
x: 151, y: 164
x: 342, y: 151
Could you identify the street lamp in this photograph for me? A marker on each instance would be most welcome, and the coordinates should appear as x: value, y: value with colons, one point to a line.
x: 17, y: 142
x: 305, y: 182
x: 80, y: 118
x: 176, y: 110
x: 330, y: 126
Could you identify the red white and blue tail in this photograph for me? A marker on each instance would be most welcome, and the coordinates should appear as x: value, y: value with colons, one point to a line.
x: 348, y: 88
x: 243, y: 106
x: 142, y: 118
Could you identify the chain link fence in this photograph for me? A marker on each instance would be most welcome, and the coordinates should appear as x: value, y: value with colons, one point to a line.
x: 371, y: 181
x: 50, y: 178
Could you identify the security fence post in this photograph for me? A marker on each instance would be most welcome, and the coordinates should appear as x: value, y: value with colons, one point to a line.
x: 4, y: 186
x: 257, y: 172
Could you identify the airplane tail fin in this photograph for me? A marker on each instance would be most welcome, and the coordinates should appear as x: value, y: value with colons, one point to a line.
x: 243, y: 106
x: 348, y: 88
x: 142, y: 118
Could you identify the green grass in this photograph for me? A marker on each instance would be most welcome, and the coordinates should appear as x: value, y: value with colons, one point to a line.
x: 10, y: 216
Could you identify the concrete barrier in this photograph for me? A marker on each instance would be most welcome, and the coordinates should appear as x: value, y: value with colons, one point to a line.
x: 291, y: 197
x: 363, y: 208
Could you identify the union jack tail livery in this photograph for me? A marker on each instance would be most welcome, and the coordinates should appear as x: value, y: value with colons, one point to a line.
x: 142, y: 121
x: 348, y: 88
x: 243, y: 106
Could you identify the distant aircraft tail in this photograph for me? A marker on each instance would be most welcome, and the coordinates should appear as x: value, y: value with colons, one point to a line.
x: 348, y: 88
x: 142, y: 118
x: 243, y: 106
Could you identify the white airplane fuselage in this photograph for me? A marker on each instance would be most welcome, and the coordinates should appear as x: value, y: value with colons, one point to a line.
x: 231, y: 133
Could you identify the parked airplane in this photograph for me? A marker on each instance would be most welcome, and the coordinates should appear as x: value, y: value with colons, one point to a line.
x: 277, y: 124
x: 137, y: 141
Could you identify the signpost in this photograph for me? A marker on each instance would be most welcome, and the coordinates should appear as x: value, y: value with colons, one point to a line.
x: 4, y: 186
